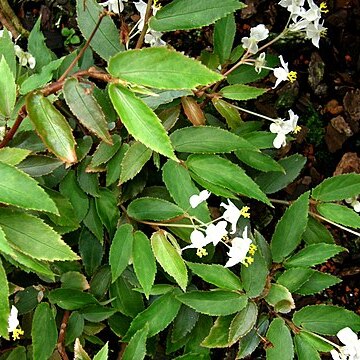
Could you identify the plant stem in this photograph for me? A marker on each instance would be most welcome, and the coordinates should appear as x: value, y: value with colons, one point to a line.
x: 141, y: 38
x: 10, y: 134
x: 82, y: 51
x: 62, y: 333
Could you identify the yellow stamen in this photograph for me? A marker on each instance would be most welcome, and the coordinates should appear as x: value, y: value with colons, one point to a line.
x: 16, y: 333
x: 245, y: 264
x: 201, y: 252
x: 249, y: 260
x: 323, y: 7
x: 323, y: 33
x: 292, y: 75
x: 245, y: 212
x: 297, y: 129
x: 252, y: 249
x: 156, y: 5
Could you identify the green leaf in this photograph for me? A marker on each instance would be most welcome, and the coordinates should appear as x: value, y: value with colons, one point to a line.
x: 161, y: 68
x: 214, y: 303
x: 272, y: 182
x: 316, y: 232
x: 193, y: 345
x: 144, y: 262
x: 121, y: 250
x: 158, y: 315
x: 254, y: 277
x: 52, y: 127
x: 140, y: 121
x: 39, y: 165
x: 169, y: 258
x: 258, y: 160
x: 162, y: 97
x: 37, y: 47
x: 71, y: 299
x: 43, y: 332
x: 222, y: 172
x: 246, y: 73
x: 338, y: 188
x: 88, y: 182
x: 294, y: 278
x: 339, y: 214
x: 313, y: 255
x: 148, y: 208
x: 184, y: 322
x: 219, y: 334
x: 280, y: 298
x: 85, y: 107
x: 7, y: 89
x: 326, y: 319
x: 4, y: 299
x: 74, y: 280
x: 216, y: 275
x: 243, y: 322
x: 227, y: 111
x: 250, y: 342
x: 318, y: 343
x: 136, y: 349
x: 33, y: 237
x: 93, y: 221
x: 127, y: 300
x: 113, y: 169
x: 100, y: 281
x: 317, y: 282
x: 282, y: 246
x: 104, y: 152
x: 207, y: 139
x: 106, y: 39
x: 178, y: 181
x: 224, y: 35
x: 103, y: 353
x: 279, y: 336
x: 188, y: 14
x: 37, y: 81
x: 133, y: 161
x: 13, y: 156
x: 18, y: 353
x: 97, y: 313
x: 70, y: 188
x: 304, y: 348
x: 241, y: 92
x: 107, y: 209
x: 91, y: 251
x: 19, y: 189
x: 79, y: 352
x: 7, y: 50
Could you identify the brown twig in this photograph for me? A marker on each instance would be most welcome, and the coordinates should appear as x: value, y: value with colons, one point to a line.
x: 10, y: 134
x: 82, y: 51
x: 62, y: 333
x: 11, y: 21
x: 141, y: 38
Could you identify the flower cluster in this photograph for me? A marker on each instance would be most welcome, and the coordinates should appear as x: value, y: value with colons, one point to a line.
x: 211, y: 233
x: 152, y: 37
x: 306, y: 19
x: 257, y: 34
x: 351, y: 350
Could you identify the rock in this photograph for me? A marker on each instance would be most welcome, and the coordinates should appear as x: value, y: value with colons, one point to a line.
x: 350, y: 162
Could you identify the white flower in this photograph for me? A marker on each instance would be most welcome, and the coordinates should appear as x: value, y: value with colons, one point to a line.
x: 195, y: 200
x: 282, y: 73
x: 257, y: 33
x: 141, y: 8
x: 354, y: 203
x: 153, y: 38
x: 232, y: 214
x: 239, y: 249
x: 115, y: 6
x: 282, y: 128
x: 215, y: 233
x: 13, y: 321
x: 351, y: 350
x: 260, y: 62
x: 293, y: 6
x: 314, y: 12
x: 314, y: 32
x: 24, y: 57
